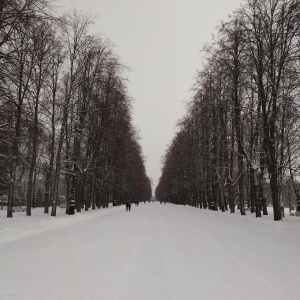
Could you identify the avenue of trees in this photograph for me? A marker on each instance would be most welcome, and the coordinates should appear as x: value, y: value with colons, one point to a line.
x: 238, y: 145
x: 66, y: 129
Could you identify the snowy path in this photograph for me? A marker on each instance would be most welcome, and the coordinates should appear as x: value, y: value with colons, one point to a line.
x: 155, y: 252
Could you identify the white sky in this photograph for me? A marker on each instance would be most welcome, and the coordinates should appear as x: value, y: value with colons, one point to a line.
x: 160, y: 40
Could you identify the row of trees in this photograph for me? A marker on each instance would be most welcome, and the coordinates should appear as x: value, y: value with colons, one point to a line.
x: 65, y: 114
x: 239, y: 140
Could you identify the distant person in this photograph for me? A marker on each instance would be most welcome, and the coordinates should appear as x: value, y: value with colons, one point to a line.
x: 129, y: 205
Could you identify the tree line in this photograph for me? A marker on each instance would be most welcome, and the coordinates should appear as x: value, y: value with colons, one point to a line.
x: 238, y: 143
x: 65, y: 114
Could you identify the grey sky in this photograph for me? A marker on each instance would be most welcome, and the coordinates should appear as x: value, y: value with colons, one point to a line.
x: 160, y: 40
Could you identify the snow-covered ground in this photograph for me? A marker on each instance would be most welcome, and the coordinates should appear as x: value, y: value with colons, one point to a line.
x: 155, y: 252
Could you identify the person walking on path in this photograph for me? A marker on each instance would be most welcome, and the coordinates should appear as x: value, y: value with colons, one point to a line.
x: 128, y: 206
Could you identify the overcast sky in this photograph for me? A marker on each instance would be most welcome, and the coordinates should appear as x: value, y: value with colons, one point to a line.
x: 160, y: 40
